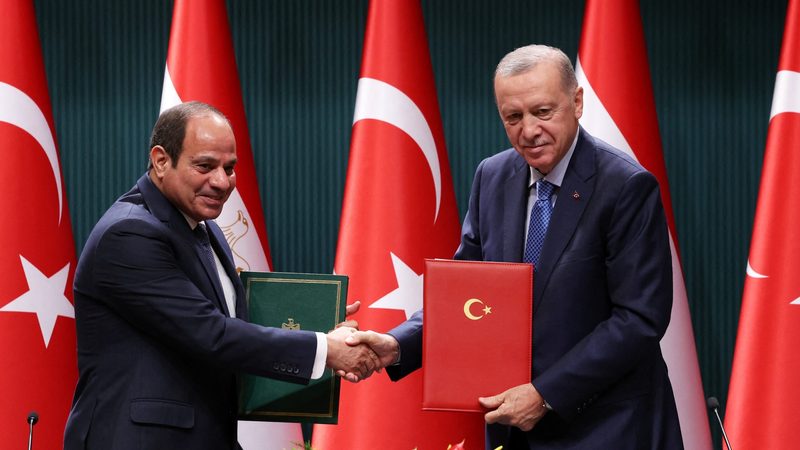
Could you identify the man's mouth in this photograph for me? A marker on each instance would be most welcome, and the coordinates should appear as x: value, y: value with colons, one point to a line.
x: 213, y: 199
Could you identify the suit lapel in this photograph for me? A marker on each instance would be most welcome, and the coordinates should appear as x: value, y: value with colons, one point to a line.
x: 514, y: 211
x: 164, y: 211
x: 223, y: 251
x: 573, y: 196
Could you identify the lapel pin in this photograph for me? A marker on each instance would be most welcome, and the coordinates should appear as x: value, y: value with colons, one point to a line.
x: 575, y: 195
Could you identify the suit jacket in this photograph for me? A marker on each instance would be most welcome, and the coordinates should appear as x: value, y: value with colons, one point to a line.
x: 157, y: 351
x: 602, y: 299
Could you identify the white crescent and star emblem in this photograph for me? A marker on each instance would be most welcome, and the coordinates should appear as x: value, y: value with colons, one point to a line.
x: 468, y: 313
x: 45, y: 296
x: 381, y: 101
x: 18, y: 109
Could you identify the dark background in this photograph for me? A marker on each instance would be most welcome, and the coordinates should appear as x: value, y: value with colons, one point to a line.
x: 713, y: 66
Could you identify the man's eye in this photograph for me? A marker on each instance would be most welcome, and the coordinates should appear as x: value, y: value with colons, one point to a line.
x: 544, y: 113
x: 229, y: 171
x: 513, y: 118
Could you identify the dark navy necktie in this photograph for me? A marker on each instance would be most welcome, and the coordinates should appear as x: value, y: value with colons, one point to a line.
x: 541, y: 211
x: 205, y: 244
x: 201, y: 232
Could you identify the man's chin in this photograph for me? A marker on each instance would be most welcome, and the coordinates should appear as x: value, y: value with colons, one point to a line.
x: 538, y: 162
x: 206, y: 214
x: 211, y: 215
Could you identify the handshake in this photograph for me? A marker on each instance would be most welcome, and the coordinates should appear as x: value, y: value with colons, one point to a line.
x: 354, y: 354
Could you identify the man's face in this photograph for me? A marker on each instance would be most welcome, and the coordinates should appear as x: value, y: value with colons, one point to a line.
x: 203, y: 177
x: 540, y: 118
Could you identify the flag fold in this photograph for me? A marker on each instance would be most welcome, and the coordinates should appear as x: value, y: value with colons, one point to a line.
x: 619, y: 108
x: 38, y: 368
x: 399, y: 208
x: 201, y: 66
x: 764, y: 389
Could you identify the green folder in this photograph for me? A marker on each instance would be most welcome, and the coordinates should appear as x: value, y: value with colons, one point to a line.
x: 295, y: 301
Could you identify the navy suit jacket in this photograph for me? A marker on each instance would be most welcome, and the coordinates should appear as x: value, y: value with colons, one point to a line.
x: 602, y: 299
x: 157, y: 351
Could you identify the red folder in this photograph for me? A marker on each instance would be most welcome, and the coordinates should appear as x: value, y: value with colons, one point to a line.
x: 476, y: 333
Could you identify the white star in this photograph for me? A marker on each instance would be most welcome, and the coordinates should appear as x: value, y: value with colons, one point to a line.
x: 408, y: 295
x: 45, y: 298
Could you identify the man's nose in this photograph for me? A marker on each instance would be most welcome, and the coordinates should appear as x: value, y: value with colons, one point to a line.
x: 531, y: 127
x: 219, y: 179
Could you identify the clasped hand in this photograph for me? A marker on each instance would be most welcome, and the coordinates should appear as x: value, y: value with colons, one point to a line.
x: 372, y: 352
x: 354, y: 362
x: 356, y: 355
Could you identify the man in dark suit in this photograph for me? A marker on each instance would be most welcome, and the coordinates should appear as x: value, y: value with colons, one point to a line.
x: 159, y: 306
x: 602, y: 285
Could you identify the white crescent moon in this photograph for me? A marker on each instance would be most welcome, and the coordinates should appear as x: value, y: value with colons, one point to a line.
x: 18, y: 109
x: 381, y: 101
x: 469, y: 304
x: 752, y: 273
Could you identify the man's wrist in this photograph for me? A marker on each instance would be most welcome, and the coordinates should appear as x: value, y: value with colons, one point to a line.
x: 396, y: 347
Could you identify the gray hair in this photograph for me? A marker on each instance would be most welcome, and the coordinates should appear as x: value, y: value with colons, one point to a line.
x: 526, y: 58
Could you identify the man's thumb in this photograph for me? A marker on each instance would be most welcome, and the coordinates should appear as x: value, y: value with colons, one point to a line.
x: 492, y: 402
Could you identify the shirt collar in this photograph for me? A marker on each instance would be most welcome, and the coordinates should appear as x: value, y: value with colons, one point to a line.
x: 192, y: 223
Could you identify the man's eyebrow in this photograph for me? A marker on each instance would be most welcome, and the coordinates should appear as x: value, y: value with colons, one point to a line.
x: 204, y: 158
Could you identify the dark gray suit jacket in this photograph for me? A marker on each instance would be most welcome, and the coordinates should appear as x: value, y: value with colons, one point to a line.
x: 157, y: 352
x: 602, y: 299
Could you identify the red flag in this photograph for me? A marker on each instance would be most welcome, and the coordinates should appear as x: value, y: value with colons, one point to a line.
x: 201, y: 66
x: 619, y: 109
x: 761, y: 411
x: 37, y: 255
x: 399, y: 208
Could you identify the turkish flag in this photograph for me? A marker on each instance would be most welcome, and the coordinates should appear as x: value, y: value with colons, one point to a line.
x: 399, y: 208
x: 201, y: 66
x: 764, y: 390
x: 38, y: 368
x: 618, y: 108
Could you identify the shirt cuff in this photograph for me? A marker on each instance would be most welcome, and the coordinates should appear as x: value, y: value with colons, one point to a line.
x: 321, y: 356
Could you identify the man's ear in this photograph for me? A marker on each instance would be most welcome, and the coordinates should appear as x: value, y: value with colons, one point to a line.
x: 160, y: 160
x: 578, y: 102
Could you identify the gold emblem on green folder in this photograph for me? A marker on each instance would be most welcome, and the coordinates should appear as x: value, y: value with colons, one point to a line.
x: 290, y: 325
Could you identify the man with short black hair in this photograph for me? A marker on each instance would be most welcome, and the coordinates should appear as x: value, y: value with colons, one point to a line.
x: 159, y: 307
